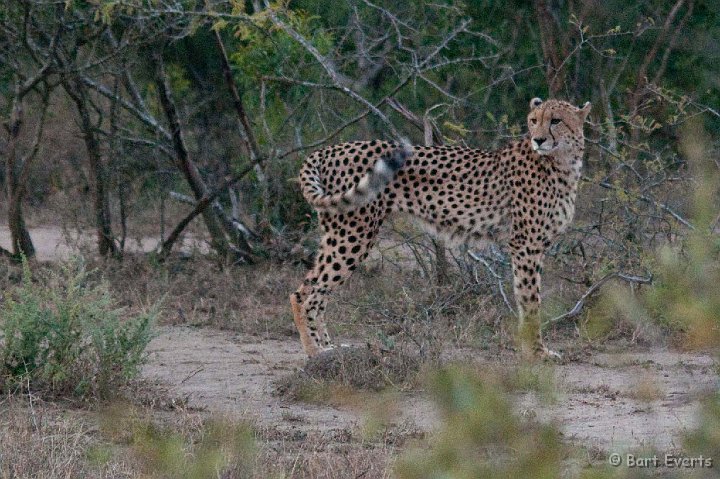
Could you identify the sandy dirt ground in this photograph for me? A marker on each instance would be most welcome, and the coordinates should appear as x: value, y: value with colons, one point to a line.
x: 53, y: 243
x: 611, y: 401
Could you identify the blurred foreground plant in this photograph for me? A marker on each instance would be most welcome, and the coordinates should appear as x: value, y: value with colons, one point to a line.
x: 684, y: 296
x: 196, y: 450
x: 480, y: 434
x: 687, y: 290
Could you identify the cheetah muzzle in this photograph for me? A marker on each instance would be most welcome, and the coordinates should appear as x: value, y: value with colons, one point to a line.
x: 521, y: 196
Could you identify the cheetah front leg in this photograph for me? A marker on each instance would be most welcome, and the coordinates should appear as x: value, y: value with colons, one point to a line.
x: 526, y: 284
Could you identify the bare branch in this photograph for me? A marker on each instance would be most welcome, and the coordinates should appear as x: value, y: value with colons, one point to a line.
x: 338, y: 78
x: 247, y: 134
x: 352, y: 121
x: 577, y: 309
x: 652, y: 53
x: 498, y: 278
x: 417, y: 122
x: 201, y: 205
x: 644, y: 198
x: 141, y: 115
x: 672, y: 42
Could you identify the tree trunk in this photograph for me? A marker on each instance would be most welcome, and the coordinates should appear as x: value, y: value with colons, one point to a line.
x: 554, y: 42
x: 246, y: 132
x: 98, y: 176
x: 218, y: 239
x: 21, y: 241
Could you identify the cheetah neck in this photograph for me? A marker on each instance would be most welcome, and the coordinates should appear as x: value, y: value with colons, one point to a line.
x: 568, y: 166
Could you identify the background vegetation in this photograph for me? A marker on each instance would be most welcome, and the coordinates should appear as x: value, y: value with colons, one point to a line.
x: 216, y: 103
x: 162, y: 138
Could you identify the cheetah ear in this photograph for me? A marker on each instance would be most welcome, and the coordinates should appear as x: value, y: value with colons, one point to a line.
x: 585, y: 110
x: 535, y: 102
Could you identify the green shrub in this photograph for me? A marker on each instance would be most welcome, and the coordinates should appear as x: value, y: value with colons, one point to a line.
x: 66, y: 336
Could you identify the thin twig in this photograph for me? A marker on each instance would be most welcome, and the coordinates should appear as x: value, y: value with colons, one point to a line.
x: 192, y: 374
x: 577, y: 309
x: 647, y: 199
x: 495, y: 275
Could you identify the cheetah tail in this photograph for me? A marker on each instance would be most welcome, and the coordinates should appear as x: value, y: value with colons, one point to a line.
x: 364, y: 191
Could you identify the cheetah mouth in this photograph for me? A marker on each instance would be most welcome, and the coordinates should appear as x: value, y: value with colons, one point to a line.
x: 542, y: 150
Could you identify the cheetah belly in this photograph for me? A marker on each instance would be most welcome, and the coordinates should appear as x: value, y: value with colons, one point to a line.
x: 476, y: 230
x: 564, y: 213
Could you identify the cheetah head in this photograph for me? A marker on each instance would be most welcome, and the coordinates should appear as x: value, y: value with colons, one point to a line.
x: 556, y: 126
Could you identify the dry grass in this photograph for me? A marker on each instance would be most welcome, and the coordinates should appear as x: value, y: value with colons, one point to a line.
x: 336, y: 376
x: 45, y: 441
x: 381, y: 303
x: 193, y: 291
x: 392, y: 305
x: 338, y: 455
x: 198, y: 292
x: 50, y: 441
x: 364, y: 368
x: 646, y: 390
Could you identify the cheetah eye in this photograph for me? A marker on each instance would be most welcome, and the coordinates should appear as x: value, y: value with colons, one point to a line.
x: 533, y: 121
x: 555, y: 121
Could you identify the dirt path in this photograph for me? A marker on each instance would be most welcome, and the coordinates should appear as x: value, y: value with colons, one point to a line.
x: 612, y: 401
x: 622, y: 400
x: 230, y: 373
x: 54, y: 244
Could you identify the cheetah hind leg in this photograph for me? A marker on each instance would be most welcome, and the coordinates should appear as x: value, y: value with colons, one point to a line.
x: 309, y: 337
x: 345, y: 244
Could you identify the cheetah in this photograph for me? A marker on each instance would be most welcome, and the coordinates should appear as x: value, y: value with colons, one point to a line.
x: 521, y: 196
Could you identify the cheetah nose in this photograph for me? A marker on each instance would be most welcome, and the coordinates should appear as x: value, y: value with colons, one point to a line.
x: 539, y: 141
